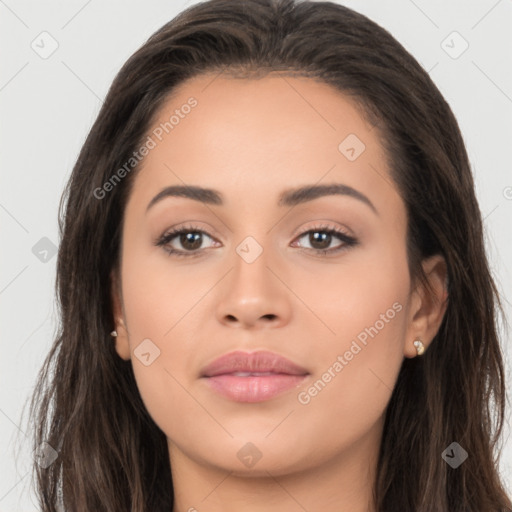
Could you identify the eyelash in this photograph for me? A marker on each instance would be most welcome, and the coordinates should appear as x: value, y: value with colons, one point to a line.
x: 167, y: 237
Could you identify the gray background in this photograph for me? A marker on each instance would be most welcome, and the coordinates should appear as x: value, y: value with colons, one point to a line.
x: 48, y: 105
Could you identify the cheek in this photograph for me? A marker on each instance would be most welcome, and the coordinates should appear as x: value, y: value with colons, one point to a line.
x: 162, y: 301
x: 357, y: 291
x: 158, y: 293
x: 363, y: 303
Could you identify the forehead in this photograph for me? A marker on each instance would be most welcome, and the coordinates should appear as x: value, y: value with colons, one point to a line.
x: 291, y: 108
x: 222, y: 132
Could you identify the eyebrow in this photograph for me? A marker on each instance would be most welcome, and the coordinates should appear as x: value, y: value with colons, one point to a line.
x: 290, y: 197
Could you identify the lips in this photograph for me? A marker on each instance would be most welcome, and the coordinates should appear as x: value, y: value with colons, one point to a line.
x: 252, y: 377
x: 261, y: 362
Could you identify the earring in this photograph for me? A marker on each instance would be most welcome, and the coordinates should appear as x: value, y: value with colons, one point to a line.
x: 114, y: 334
x: 420, y: 348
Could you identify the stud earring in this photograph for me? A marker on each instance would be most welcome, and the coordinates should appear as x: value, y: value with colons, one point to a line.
x: 114, y: 334
x: 420, y: 348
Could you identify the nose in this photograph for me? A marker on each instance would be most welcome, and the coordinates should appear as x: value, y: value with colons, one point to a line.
x: 254, y: 295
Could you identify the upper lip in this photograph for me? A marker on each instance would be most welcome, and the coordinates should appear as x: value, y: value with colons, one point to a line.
x: 258, y: 362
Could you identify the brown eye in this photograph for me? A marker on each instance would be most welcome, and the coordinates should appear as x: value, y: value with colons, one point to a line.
x: 321, y: 238
x: 185, y: 241
x: 190, y: 240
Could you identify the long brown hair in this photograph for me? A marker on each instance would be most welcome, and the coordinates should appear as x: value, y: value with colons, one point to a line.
x: 110, y: 455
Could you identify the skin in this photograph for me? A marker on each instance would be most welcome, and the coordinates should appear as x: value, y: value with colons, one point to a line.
x: 252, y: 139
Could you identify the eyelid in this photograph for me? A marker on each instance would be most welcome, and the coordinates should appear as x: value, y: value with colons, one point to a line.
x: 323, y: 224
x: 190, y: 226
x: 318, y: 225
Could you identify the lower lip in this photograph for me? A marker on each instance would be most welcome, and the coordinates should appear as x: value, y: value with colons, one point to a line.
x: 253, y: 388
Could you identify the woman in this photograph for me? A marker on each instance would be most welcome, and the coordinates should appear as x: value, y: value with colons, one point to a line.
x: 272, y: 280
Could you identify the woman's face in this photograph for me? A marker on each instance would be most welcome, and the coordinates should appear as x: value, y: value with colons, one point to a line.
x: 262, y: 269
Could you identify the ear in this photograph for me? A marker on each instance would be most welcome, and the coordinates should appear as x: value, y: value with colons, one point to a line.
x: 121, y: 341
x: 428, y: 306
